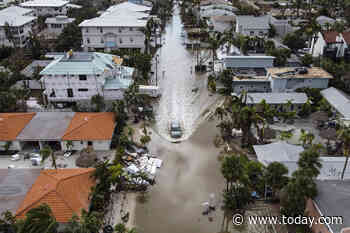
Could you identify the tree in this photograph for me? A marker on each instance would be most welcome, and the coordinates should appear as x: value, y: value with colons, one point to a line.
x: 294, y: 41
x: 120, y: 114
x: 275, y: 176
x: 70, y: 38
x: 47, y: 152
x: 9, y: 33
x: 86, y: 223
x: 236, y: 198
x: 255, y: 171
x: 39, y: 219
x: 307, y: 60
x: 233, y: 170
x: 344, y: 136
x: 272, y: 31
x: 310, y: 160
x: 99, y: 102
x: 214, y: 43
x: 8, y: 102
x: 69, y: 145
x: 33, y: 43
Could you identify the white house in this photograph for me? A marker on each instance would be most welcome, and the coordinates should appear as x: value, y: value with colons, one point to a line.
x: 121, y: 26
x: 77, y: 76
x: 327, y: 43
x: 55, y: 25
x: 47, y: 7
x: 233, y: 62
x: 288, y: 79
x: 253, y: 25
x: 16, y: 22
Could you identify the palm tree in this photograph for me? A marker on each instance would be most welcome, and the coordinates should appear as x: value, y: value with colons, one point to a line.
x: 275, y: 176
x: 39, y: 219
x: 344, y: 136
x: 47, y: 152
x: 214, y: 43
x: 309, y: 160
x: 86, y: 223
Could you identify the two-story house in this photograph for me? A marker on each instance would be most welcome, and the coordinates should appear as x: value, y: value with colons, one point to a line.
x: 121, y: 26
x: 288, y: 79
x: 15, y: 25
x: 47, y: 7
x: 77, y: 76
x: 250, y: 25
x: 327, y: 43
x: 55, y: 25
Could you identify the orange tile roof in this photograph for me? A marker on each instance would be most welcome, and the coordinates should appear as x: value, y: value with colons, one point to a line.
x: 90, y: 126
x: 66, y: 191
x: 11, y: 124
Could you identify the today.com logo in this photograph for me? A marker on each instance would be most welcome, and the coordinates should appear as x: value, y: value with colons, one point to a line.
x: 238, y: 219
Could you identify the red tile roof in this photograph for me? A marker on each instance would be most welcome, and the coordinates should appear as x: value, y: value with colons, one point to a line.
x: 11, y: 124
x: 66, y: 191
x: 90, y: 126
x: 346, y: 36
x: 330, y: 36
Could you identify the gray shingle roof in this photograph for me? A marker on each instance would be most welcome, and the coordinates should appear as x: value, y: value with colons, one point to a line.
x: 333, y: 199
x: 252, y: 22
x: 337, y: 100
x: 277, y: 98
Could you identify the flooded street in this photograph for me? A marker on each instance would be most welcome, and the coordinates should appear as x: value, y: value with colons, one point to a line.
x: 191, y: 171
x: 190, y: 174
x: 184, y: 93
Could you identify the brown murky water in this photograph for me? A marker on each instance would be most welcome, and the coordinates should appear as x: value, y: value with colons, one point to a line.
x: 191, y: 172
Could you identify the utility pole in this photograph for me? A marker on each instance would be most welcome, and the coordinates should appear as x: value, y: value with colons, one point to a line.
x: 157, y: 56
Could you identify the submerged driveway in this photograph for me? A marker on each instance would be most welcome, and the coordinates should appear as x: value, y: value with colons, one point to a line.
x: 184, y: 94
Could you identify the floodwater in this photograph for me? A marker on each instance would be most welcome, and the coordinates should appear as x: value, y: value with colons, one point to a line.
x: 184, y: 94
x: 189, y: 176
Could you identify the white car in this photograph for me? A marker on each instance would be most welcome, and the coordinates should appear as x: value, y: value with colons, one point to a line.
x: 35, y: 157
x: 67, y: 154
x: 15, y: 157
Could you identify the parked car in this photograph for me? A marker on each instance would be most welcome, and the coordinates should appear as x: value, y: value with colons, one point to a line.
x: 134, y: 150
x: 15, y: 157
x: 35, y: 158
x: 67, y: 154
x: 175, y: 130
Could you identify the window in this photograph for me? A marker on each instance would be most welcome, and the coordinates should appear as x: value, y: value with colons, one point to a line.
x: 81, y: 142
x: 120, y: 41
x: 88, y: 40
x: 251, y: 33
x: 120, y: 30
x: 102, y: 41
x: 261, y: 33
x: 82, y: 77
x: 131, y: 39
x: 83, y: 89
x: 52, y: 94
x: 89, y: 143
x: 130, y: 29
x: 70, y: 92
x: 101, y: 30
x: 87, y: 30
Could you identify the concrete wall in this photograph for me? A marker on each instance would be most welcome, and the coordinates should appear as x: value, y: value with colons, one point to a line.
x: 311, y: 211
x: 291, y: 84
x: 79, y: 145
x: 250, y: 86
x: 14, y: 146
x: 113, y: 37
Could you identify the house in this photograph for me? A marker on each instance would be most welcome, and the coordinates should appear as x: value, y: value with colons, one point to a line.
x: 11, y: 125
x: 14, y: 184
x: 250, y: 80
x: 332, y: 200
x: 288, y: 79
x: 221, y: 23
x: 47, y: 7
x: 288, y: 155
x: 89, y: 129
x: 340, y: 103
x: 217, y: 10
x: 327, y: 43
x: 55, y: 25
x: 119, y: 27
x: 66, y: 191
x: 16, y: 22
x: 77, y: 76
x: 279, y: 101
x: 253, y: 25
x: 34, y: 131
x: 325, y: 22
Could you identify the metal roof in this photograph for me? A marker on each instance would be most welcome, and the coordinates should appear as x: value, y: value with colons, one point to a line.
x: 44, y: 3
x: 253, y: 22
x: 60, y: 19
x: 277, y: 98
x: 16, y: 10
x: 80, y: 63
x: 31, y: 68
x: 13, y: 19
x: 46, y: 126
x: 337, y: 100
